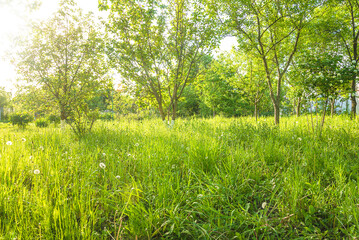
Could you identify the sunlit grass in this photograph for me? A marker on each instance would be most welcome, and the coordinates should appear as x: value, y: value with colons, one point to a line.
x: 216, y: 178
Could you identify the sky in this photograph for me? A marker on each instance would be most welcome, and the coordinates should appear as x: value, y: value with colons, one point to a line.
x: 14, y: 19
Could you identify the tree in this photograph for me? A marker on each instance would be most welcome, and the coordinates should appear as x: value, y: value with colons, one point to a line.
x: 64, y: 57
x: 159, y: 45
x: 272, y: 29
x: 340, y: 21
x: 249, y: 79
x: 328, y: 76
x: 216, y: 92
x: 4, y: 101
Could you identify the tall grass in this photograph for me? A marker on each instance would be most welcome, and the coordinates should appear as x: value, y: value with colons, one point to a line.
x: 202, y: 179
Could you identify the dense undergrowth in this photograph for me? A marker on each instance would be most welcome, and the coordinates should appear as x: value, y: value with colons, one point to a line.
x: 202, y: 179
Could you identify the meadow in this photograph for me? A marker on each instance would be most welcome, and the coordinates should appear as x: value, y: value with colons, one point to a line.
x: 220, y: 178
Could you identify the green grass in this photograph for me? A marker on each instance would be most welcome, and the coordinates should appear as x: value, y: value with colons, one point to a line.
x: 203, y: 179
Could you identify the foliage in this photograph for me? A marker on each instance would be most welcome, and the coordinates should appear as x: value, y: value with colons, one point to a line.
x: 159, y: 45
x: 82, y: 119
x: 327, y: 75
x: 269, y: 29
x: 106, y: 116
x: 54, y: 119
x: 42, y: 122
x: 5, y: 98
x: 20, y: 119
x: 64, y: 59
x: 216, y: 92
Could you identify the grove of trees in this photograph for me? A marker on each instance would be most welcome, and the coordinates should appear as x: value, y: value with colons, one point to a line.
x: 289, y: 54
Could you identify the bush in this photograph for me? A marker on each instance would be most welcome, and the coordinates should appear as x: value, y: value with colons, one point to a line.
x: 42, y: 122
x: 20, y: 119
x: 106, y: 116
x: 81, y: 119
x: 54, y: 119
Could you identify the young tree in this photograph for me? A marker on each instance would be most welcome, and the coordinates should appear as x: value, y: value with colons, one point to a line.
x: 272, y: 29
x: 249, y: 78
x: 64, y: 56
x: 328, y: 76
x: 5, y: 98
x: 159, y: 45
x: 214, y: 88
x: 340, y: 21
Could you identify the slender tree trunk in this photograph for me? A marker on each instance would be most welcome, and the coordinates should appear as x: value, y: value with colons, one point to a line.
x: 323, y: 119
x: 332, y: 107
x: 256, y: 111
x: 276, y: 112
x: 353, y: 100
x: 174, y: 111
x: 298, y: 106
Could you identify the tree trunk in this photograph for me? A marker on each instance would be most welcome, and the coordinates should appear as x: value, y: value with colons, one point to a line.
x: 323, y: 119
x: 256, y: 111
x: 332, y: 107
x: 353, y: 100
x: 162, y: 113
x: 276, y: 113
x: 174, y: 111
x: 298, y: 106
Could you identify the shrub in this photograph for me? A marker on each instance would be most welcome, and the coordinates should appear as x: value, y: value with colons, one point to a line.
x: 106, y: 116
x: 20, y: 119
x: 81, y: 119
x: 42, y: 122
x: 54, y: 119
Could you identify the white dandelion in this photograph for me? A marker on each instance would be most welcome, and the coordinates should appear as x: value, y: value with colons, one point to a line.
x: 8, y: 143
x: 118, y: 177
x: 264, y: 204
x: 137, y: 144
x: 23, y: 139
x: 36, y: 171
x: 102, y: 165
x: 41, y: 148
x: 104, y: 154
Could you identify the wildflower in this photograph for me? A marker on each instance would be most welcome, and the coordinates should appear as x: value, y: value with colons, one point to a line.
x: 104, y: 154
x: 41, y: 148
x: 264, y: 204
x: 8, y: 143
x: 30, y: 157
x: 118, y: 177
x: 137, y: 144
x: 102, y: 165
x: 300, y: 139
x: 23, y: 139
x: 36, y: 171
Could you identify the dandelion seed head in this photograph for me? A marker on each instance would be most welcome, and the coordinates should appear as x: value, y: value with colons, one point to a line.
x: 264, y: 204
x: 36, y: 171
x: 23, y: 139
x: 118, y: 177
x: 137, y: 144
x: 102, y: 165
x: 8, y: 143
x: 300, y: 139
x: 104, y: 154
